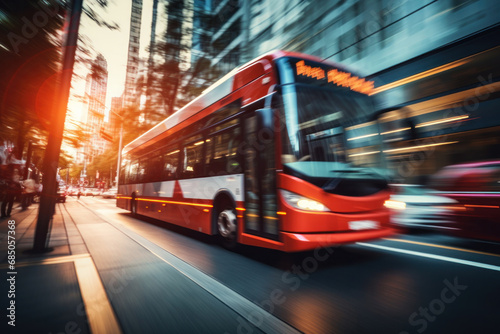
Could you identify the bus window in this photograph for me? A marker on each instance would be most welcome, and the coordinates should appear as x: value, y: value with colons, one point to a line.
x: 124, y: 171
x: 192, y: 165
x: 234, y: 161
x: 170, y: 163
x: 226, y: 125
x: 142, y: 171
x: 155, y: 167
x: 221, y: 114
x: 134, y: 167
x: 209, y: 154
x: 222, y: 153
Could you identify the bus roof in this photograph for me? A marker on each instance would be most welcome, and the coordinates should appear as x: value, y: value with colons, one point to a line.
x: 223, y: 87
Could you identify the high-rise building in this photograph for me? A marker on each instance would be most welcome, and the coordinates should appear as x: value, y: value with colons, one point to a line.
x: 95, y: 100
x: 431, y: 61
x: 201, y: 32
x: 229, y: 33
x: 357, y: 32
x: 113, y: 128
x: 130, y: 96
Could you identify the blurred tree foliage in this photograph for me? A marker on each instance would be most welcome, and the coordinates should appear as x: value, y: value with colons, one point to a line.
x: 30, y: 49
x: 29, y: 54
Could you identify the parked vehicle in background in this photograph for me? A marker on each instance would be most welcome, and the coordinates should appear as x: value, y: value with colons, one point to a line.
x: 417, y: 207
x: 110, y: 193
x: 72, y: 191
x: 476, y: 188
x: 88, y: 192
x: 61, y: 195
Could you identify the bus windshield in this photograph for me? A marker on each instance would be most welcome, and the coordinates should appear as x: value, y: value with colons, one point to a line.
x: 329, y: 139
x: 325, y: 125
x: 327, y: 130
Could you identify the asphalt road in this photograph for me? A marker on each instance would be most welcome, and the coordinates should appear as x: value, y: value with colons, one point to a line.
x: 419, y: 283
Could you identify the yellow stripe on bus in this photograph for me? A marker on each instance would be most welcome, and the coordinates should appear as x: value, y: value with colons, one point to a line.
x: 174, y: 202
x: 256, y: 216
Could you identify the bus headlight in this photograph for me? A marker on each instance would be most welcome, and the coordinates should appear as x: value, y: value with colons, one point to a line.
x: 302, y: 203
x: 396, y: 205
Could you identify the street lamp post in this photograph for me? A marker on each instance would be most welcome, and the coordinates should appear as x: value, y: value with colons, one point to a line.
x: 119, y: 148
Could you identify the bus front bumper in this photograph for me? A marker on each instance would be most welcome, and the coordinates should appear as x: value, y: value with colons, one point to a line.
x: 298, y: 242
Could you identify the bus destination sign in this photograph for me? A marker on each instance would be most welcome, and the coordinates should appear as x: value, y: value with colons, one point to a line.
x: 336, y: 77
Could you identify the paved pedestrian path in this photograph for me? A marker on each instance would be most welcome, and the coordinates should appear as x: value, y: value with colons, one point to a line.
x: 100, y: 277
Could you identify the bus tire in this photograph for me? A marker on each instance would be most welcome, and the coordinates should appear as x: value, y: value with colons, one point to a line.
x: 227, y: 228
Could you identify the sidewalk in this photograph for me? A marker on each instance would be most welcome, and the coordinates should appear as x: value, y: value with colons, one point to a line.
x: 102, y: 278
x: 48, y: 296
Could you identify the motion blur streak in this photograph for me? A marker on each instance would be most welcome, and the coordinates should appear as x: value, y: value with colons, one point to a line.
x: 435, y: 257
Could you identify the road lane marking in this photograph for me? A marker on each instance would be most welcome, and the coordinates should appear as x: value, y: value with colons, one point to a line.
x: 239, y: 304
x: 432, y: 256
x: 441, y: 246
x: 96, y: 199
x: 54, y: 260
x: 100, y: 314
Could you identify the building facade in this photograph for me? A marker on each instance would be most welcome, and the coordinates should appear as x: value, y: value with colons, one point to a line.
x: 130, y: 96
x: 95, y: 102
x: 429, y: 60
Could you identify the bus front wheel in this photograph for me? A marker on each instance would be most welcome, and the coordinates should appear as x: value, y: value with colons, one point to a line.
x: 227, y: 227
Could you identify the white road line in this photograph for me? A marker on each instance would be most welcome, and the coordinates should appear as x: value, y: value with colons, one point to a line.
x: 268, y: 323
x: 435, y: 257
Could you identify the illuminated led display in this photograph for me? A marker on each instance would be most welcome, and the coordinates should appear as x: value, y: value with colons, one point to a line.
x: 336, y: 77
x: 308, y: 71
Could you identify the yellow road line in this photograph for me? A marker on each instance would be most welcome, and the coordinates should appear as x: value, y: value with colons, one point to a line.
x: 100, y: 314
x: 441, y: 246
x: 54, y: 260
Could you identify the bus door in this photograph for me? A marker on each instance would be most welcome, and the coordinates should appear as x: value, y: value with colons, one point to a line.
x: 260, y: 175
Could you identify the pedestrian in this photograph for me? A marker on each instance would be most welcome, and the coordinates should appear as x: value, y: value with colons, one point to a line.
x: 13, y: 191
x: 3, y: 190
x: 79, y: 194
x: 29, y: 193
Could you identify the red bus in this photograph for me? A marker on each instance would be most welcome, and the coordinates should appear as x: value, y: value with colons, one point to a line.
x: 282, y: 153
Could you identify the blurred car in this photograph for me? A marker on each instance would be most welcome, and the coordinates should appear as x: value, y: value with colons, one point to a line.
x: 72, y: 191
x: 476, y: 188
x: 88, y: 192
x: 61, y: 195
x: 110, y: 193
x: 417, y: 207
